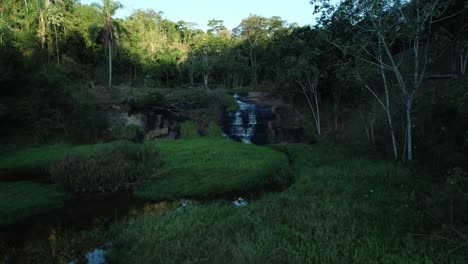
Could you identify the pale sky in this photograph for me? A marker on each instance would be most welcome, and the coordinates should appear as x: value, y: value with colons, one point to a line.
x: 231, y: 11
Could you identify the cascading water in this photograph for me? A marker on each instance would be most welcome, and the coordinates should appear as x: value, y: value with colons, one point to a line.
x: 248, y: 123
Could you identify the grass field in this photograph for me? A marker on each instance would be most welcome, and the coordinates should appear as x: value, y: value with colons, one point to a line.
x: 191, y: 168
x: 341, y: 209
x: 207, y: 167
x: 42, y: 157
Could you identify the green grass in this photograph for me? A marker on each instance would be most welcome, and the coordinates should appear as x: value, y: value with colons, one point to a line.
x: 42, y: 157
x: 207, y: 167
x: 341, y: 209
x: 19, y: 200
x: 191, y: 168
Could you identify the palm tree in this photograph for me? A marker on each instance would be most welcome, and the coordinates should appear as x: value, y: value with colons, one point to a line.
x: 107, y: 9
x: 55, y: 18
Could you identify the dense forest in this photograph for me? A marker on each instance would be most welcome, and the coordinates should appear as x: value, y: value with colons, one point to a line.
x: 385, y: 80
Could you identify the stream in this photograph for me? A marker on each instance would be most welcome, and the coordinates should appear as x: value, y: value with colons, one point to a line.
x: 35, y: 238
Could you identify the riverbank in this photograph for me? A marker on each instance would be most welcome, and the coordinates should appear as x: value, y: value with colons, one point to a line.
x: 342, y: 207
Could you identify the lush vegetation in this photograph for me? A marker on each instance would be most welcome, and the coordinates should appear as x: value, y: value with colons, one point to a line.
x: 42, y: 157
x: 210, y: 167
x: 385, y: 77
x: 119, y: 166
x: 342, y: 208
x: 187, y: 168
x: 19, y: 200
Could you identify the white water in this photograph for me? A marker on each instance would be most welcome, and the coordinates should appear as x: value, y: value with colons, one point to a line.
x: 239, y: 128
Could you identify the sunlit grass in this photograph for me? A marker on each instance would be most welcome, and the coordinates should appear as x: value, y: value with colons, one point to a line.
x: 206, y: 167
x: 191, y: 168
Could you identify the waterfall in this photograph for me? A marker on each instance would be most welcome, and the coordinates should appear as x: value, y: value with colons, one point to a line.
x: 244, y: 121
x: 248, y: 123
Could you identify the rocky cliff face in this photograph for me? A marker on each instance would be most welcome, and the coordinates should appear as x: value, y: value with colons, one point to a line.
x: 149, y: 124
x: 262, y: 119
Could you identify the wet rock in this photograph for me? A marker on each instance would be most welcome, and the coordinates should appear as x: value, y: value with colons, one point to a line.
x: 157, y: 133
x: 98, y: 256
x: 240, y: 202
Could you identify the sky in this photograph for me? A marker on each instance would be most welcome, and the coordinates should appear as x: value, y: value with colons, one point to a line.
x: 231, y: 11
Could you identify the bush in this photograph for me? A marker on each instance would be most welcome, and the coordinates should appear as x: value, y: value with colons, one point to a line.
x: 214, y: 130
x: 189, y: 130
x: 127, y: 132
x: 118, y: 167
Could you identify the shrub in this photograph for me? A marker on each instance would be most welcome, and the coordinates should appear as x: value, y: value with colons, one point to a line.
x: 214, y: 130
x: 118, y: 167
x: 228, y: 102
x: 127, y: 132
x: 189, y: 129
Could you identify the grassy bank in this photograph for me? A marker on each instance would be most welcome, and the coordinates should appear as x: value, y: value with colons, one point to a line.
x: 19, y: 200
x: 42, y: 157
x: 341, y: 209
x: 190, y: 168
x: 207, y: 167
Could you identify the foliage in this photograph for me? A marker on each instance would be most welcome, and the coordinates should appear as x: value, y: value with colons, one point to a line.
x: 41, y: 158
x: 19, y: 200
x: 214, y: 130
x: 189, y: 130
x: 342, y: 208
x: 126, y: 132
x: 208, y: 167
x: 119, y: 166
x: 86, y: 124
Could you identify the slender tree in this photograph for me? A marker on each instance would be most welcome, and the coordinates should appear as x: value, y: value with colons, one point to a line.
x: 107, y: 10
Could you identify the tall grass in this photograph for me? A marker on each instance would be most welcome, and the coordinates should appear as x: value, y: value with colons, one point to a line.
x: 206, y: 167
x: 19, y: 200
x: 341, y: 209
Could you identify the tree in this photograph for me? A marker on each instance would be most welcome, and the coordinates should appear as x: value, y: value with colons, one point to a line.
x: 215, y: 27
x: 307, y: 76
x: 381, y: 26
x: 254, y: 30
x: 107, y: 10
x: 55, y: 19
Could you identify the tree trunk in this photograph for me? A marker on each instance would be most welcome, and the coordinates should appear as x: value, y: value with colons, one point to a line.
x: 253, y: 65
x: 56, y: 44
x: 205, y: 80
x: 409, y: 138
x: 110, y: 64
x: 42, y: 29
x: 463, y: 62
x: 387, y: 105
x: 317, y: 111
x: 191, y: 73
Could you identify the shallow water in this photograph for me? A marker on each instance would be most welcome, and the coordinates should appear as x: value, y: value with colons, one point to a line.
x: 77, y: 214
